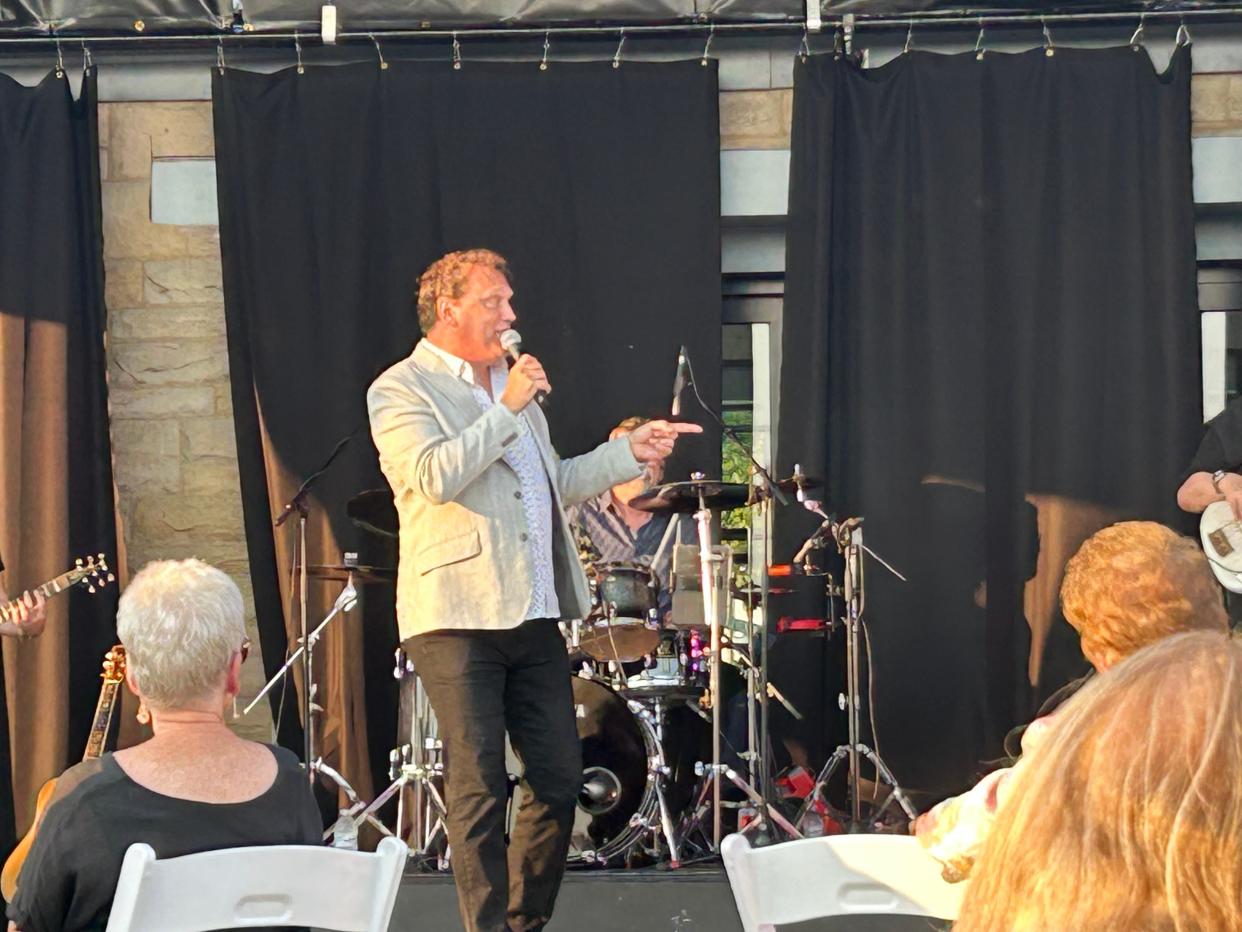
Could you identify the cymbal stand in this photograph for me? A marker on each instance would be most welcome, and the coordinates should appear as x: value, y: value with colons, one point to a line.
x: 711, y: 620
x: 703, y: 517
x: 849, y: 540
x: 416, y: 764
x: 344, y: 603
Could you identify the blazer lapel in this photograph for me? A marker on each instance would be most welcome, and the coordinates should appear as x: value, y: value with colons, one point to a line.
x: 453, y: 388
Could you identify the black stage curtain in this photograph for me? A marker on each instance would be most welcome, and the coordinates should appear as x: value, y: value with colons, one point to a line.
x: 56, y: 494
x: 991, y: 304
x: 337, y: 187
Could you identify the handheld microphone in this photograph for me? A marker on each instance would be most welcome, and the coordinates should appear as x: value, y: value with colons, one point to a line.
x: 679, y: 381
x: 511, y: 341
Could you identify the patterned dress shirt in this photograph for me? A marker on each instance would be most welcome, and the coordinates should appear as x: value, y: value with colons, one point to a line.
x: 523, y: 456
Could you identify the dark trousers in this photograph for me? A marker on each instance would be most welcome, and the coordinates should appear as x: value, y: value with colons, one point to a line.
x: 482, y: 684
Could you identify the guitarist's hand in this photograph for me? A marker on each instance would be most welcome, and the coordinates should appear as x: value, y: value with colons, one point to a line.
x: 31, y: 616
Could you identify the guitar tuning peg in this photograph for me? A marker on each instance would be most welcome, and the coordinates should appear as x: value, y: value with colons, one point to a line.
x: 77, y: 562
x: 111, y: 578
x: 90, y: 589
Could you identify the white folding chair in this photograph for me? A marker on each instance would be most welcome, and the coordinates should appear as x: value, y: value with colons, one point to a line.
x: 239, y: 888
x: 839, y: 875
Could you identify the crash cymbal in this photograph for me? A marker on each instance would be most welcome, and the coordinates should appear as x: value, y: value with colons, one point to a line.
x: 339, y: 572
x: 374, y: 511
x: 683, y: 497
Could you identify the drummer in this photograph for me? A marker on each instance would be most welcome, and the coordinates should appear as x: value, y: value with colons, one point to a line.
x: 620, y: 534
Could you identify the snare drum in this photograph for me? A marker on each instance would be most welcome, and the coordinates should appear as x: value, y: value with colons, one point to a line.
x: 677, y: 669
x: 624, y: 624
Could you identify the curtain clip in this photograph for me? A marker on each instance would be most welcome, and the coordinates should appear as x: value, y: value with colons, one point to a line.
x: 220, y: 55
x: 547, y: 44
x: 1183, y: 34
x: 1136, y: 40
x: 456, y: 52
x: 707, y: 46
x: 378, y: 51
x: 60, y: 60
x: 979, y: 43
x: 909, y: 38
x: 87, y: 61
x: 297, y: 48
x: 804, y: 47
x: 1049, y: 50
x: 616, y: 56
x: 838, y: 42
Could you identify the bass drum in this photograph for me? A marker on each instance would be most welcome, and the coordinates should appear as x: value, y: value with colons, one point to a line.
x: 618, y: 801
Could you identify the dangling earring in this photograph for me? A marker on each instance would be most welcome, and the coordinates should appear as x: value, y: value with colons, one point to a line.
x: 143, y: 716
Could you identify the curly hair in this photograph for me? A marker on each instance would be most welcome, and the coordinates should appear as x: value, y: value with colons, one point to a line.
x: 1127, y: 815
x: 446, y: 277
x: 1133, y: 583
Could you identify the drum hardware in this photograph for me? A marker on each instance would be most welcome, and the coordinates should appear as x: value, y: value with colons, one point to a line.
x: 681, y: 497
x: 416, y: 763
x: 342, y: 572
x: 847, y: 535
x: 345, y: 602
x: 765, y: 813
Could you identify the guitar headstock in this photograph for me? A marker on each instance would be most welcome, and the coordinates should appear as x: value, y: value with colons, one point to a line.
x: 114, y: 664
x: 92, y: 572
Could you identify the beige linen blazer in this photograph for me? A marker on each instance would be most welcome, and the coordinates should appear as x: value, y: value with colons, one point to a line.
x: 464, y: 562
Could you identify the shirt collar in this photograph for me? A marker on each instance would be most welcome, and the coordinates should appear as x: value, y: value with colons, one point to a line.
x: 458, y: 366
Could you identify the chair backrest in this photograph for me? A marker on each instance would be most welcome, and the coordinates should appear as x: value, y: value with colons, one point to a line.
x: 838, y: 875
x: 238, y: 888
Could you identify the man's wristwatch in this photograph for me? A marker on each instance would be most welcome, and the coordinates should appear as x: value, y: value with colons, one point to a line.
x: 1216, y: 479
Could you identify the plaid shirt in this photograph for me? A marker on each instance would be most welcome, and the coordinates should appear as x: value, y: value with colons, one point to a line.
x: 614, y: 542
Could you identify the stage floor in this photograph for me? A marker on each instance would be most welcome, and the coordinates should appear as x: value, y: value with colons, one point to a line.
x: 694, y: 899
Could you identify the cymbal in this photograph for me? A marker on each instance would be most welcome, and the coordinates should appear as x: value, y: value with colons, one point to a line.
x: 683, y: 497
x: 339, y: 572
x: 374, y: 511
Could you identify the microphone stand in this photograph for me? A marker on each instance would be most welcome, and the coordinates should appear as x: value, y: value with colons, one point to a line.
x: 848, y: 537
x: 769, y: 490
x: 297, y: 505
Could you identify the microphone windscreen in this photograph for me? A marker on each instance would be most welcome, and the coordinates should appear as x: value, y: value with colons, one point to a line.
x: 511, y: 340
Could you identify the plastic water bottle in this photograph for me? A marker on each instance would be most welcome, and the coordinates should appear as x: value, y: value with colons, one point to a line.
x: 812, y: 825
x: 345, y: 832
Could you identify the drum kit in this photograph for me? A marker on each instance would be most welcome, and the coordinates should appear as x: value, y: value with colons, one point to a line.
x: 646, y: 685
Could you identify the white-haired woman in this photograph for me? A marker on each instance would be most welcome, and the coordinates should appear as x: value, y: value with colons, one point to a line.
x: 194, y: 786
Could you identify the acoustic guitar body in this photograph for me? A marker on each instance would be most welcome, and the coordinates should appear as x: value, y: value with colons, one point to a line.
x: 113, y: 675
x: 13, y: 866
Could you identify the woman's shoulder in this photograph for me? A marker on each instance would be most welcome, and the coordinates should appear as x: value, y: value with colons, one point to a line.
x: 285, y: 759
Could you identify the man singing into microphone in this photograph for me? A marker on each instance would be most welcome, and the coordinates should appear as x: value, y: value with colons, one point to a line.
x: 487, y: 567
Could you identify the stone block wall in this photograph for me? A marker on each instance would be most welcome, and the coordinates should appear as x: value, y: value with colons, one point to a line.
x: 168, y: 379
